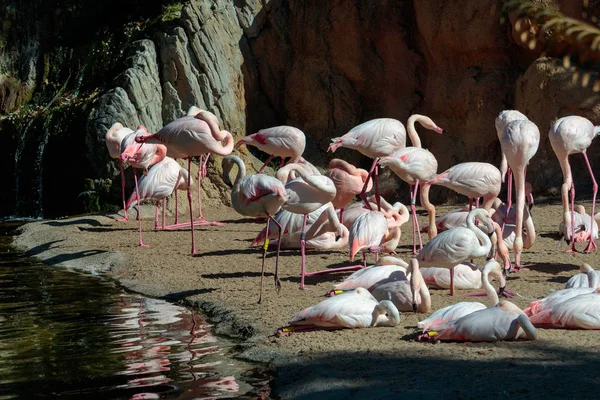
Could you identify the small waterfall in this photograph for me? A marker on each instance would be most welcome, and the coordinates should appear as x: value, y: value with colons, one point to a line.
x: 39, y: 162
x: 20, y: 171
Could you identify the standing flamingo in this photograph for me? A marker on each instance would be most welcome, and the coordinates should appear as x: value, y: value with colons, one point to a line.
x: 414, y: 165
x: 459, y: 244
x: 354, y: 309
x: 160, y: 182
x: 278, y: 141
x: 375, y: 138
x: 505, y: 321
x: 570, y: 135
x: 306, y: 194
x: 190, y: 137
x: 502, y: 120
x: 114, y: 137
x: 442, y: 317
x: 348, y: 181
x: 256, y: 196
x: 371, y: 232
x: 519, y: 143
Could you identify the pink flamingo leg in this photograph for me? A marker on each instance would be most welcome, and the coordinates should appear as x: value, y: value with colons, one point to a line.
x: 477, y: 202
x: 342, y: 216
x: 277, y: 281
x: 137, y: 192
x: 591, y: 245
x: 508, y: 197
x: 413, y: 208
x: 204, y: 166
x: 376, y: 180
x: 470, y: 205
x: 573, y: 249
x: 200, y: 166
x: 190, y: 201
x: 265, y: 164
x: 262, y: 270
x: 363, y: 194
x: 164, y: 203
x: 452, y: 281
x: 156, y: 217
x: 176, y: 208
x: 303, y: 252
x: 125, y: 218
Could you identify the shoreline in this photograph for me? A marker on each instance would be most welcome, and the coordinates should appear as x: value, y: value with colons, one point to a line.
x: 372, y: 362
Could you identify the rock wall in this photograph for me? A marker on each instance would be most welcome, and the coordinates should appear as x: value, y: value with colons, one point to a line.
x: 325, y: 67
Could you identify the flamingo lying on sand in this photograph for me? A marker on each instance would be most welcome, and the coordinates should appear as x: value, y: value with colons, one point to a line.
x: 570, y: 135
x: 440, y: 319
x: 415, y: 165
x: 520, y: 141
x: 164, y: 178
x: 505, y: 321
x: 348, y: 181
x: 190, y: 137
x: 580, y: 226
x: 279, y: 141
x: 466, y: 276
x: 256, y: 196
x: 354, y: 309
x: 375, y: 138
x: 578, y: 312
x: 588, y: 278
x: 457, y: 245
x: 396, y: 214
x: 386, y: 269
x: 114, y: 137
x: 555, y: 298
x: 408, y: 295
x: 370, y: 233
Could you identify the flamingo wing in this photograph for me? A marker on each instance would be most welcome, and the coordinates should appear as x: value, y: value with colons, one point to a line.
x: 441, y: 318
x: 487, y: 325
x: 368, y: 277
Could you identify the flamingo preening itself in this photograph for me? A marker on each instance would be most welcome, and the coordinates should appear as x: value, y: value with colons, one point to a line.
x: 114, y: 137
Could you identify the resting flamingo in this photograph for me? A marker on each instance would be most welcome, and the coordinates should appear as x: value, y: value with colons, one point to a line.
x: 505, y: 321
x: 396, y: 214
x: 278, y: 141
x: 415, y: 165
x: 164, y: 178
x: 555, y: 298
x: 348, y: 181
x: 386, y: 269
x: 407, y: 295
x: 354, y: 309
x: 571, y: 135
x: 459, y: 244
x: 472, y: 179
x: 256, y: 196
x: 114, y: 137
x: 502, y: 120
x: 375, y: 138
x: 371, y: 232
x: 580, y: 226
x: 587, y: 278
x: 578, y: 312
x: 442, y: 317
x: 142, y: 157
x: 190, y: 137
x: 466, y: 276
x: 519, y: 142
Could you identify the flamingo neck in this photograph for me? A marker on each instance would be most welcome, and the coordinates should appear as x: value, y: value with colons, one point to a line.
x: 489, y: 289
x: 161, y: 153
x: 483, y: 239
x: 412, y: 132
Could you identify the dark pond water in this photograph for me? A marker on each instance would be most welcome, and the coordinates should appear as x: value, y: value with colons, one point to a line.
x: 73, y: 335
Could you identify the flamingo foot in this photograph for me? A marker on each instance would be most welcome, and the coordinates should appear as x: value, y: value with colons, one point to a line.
x: 122, y: 219
x: 517, y: 268
x: 143, y: 245
x: 591, y: 246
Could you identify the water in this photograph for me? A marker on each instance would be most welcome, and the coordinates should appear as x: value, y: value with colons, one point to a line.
x: 71, y: 335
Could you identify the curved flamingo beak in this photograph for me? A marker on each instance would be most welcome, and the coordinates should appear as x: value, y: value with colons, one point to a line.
x: 441, y: 131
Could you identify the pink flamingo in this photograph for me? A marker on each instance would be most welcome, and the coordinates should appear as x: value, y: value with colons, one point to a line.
x: 375, y: 138
x: 578, y: 312
x: 114, y: 137
x: 256, y: 196
x: 354, y: 309
x: 386, y: 269
x: 414, y: 165
x: 509, y: 233
x: 141, y: 157
x: 554, y: 298
x: 519, y: 143
x: 459, y: 244
x: 371, y: 232
x: 466, y: 276
x: 409, y: 295
x: 306, y: 194
x: 580, y: 226
x: 588, y: 278
x: 279, y: 141
x: 348, y: 181
x: 164, y: 178
x: 502, y: 120
x: 442, y: 317
x: 505, y: 321
x: 570, y: 135
x: 472, y: 179
x: 190, y: 137
x: 396, y: 214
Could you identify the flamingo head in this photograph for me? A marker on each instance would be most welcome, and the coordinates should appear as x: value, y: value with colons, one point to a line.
x: 335, y: 143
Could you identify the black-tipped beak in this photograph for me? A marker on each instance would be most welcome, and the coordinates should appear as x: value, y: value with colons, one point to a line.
x: 337, y: 237
x: 228, y: 183
x: 501, y: 291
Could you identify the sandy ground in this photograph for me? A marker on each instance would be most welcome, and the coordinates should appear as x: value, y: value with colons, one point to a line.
x: 223, y: 281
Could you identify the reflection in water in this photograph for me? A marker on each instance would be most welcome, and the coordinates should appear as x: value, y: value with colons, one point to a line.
x: 65, y: 334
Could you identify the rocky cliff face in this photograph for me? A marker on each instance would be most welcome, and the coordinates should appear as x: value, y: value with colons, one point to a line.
x: 321, y: 66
